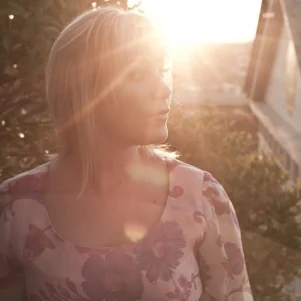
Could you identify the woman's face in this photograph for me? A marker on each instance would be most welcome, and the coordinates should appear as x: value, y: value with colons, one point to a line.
x: 142, y: 102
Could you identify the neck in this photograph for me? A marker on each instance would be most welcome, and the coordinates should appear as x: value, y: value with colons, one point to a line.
x: 111, y: 160
x: 115, y: 162
x: 116, y: 167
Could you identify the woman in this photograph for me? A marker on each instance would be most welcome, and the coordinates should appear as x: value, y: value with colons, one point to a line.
x: 111, y: 217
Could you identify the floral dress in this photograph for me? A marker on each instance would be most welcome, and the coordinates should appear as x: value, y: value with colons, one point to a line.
x: 193, y: 253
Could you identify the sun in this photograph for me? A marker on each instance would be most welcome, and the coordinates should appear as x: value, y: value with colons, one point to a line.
x: 199, y: 21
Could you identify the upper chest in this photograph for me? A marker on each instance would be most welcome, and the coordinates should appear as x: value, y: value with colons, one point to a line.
x: 94, y: 220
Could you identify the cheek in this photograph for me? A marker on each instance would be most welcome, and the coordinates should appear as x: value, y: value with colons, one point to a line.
x: 127, y: 115
x: 134, y: 101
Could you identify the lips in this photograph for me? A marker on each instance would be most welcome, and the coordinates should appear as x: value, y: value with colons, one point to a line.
x: 161, y: 115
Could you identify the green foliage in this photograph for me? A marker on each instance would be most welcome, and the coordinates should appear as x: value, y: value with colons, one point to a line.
x: 25, y: 40
x: 26, y: 134
x: 224, y: 143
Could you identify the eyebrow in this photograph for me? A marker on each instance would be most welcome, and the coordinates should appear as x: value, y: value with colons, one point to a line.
x: 161, y: 60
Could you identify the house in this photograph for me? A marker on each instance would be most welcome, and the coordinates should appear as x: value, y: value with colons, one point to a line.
x: 273, y: 82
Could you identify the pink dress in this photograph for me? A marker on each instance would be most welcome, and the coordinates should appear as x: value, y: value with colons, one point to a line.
x: 193, y: 253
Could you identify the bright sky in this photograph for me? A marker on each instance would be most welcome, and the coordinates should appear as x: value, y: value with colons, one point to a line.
x: 191, y: 21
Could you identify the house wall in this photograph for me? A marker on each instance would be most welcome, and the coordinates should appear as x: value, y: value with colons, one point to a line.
x: 277, y: 93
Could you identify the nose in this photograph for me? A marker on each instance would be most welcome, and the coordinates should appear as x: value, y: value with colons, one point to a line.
x: 163, y: 90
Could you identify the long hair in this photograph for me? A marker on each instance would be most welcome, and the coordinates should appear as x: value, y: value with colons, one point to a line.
x: 84, y: 65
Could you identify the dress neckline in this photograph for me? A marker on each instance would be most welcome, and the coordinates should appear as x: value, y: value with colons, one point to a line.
x: 124, y: 246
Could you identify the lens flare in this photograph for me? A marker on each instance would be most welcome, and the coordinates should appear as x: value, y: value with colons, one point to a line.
x: 134, y: 231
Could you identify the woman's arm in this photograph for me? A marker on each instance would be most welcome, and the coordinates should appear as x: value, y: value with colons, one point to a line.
x: 220, y: 252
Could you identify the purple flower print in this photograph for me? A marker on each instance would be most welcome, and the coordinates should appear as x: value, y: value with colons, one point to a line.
x: 115, y: 278
x: 235, y: 258
x: 178, y: 294
x: 57, y: 292
x: 217, y: 201
x: 184, y: 282
x: 71, y: 286
x: 199, y: 217
x: 36, y: 242
x: 211, y: 192
x: 160, y: 252
x: 217, y: 197
x: 176, y: 192
x: 182, y: 289
x: 209, y: 178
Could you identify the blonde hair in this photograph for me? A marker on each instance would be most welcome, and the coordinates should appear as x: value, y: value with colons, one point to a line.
x: 82, y: 70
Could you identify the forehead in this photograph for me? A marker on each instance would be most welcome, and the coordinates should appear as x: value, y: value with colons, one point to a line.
x: 139, y: 39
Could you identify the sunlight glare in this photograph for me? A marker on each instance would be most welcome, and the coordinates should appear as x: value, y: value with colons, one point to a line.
x: 134, y: 231
x: 205, y: 21
x: 146, y: 174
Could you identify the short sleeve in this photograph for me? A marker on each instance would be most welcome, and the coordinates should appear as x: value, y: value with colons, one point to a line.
x: 220, y: 252
x: 11, y: 277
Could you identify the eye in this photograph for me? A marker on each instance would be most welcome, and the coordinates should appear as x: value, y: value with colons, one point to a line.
x: 163, y: 71
x: 137, y: 74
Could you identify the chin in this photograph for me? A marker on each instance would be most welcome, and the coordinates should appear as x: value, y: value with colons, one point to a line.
x: 155, y: 136
x: 158, y: 137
